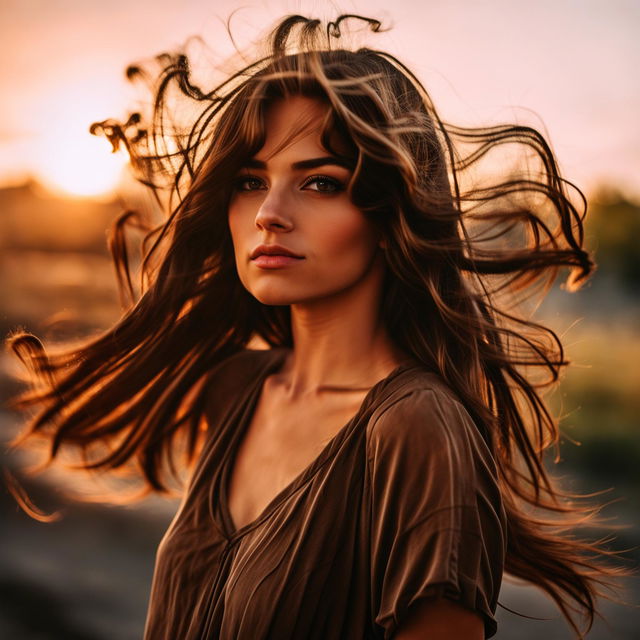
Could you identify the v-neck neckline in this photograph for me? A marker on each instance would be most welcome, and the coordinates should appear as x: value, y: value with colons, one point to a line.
x: 240, y: 429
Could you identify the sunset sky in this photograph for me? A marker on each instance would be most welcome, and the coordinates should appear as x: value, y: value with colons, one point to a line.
x: 570, y: 66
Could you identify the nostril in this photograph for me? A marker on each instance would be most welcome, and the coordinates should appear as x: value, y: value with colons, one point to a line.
x: 272, y: 220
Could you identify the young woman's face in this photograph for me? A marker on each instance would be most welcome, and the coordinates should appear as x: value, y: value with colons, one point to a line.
x: 294, y: 199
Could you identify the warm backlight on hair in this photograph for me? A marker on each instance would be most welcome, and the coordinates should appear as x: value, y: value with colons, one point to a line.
x: 80, y: 164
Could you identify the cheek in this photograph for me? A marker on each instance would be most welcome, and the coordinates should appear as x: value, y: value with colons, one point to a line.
x: 238, y: 238
x: 233, y: 223
x: 348, y: 238
x: 237, y: 228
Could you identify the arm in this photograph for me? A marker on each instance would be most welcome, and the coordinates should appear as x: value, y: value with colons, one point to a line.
x: 437, y: 527
x: 440, y: 619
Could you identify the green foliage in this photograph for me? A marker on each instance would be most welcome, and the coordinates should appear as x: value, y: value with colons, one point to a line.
x: 613, y: 233
x: 599, y: 406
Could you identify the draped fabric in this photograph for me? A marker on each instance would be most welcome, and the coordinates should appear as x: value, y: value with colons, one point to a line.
x: 401, y: 505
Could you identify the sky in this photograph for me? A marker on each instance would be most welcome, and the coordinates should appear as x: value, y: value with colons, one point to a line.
x: 567, y: 67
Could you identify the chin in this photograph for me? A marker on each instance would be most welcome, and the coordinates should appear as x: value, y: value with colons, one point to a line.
x: 281, y: 294
x: 273, y: 295
x: 275, y: 300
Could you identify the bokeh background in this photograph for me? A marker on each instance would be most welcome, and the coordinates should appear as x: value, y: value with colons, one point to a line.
x: 568, y: 67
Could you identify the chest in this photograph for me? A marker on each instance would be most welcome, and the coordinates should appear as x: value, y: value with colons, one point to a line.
x: 279, y: 443
x: 309, y: 555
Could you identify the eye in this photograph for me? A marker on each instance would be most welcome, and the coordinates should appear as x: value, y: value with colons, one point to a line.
x: 248, y: 183
x: 323, y: 184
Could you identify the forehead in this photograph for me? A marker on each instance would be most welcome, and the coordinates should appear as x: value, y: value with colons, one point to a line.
x: 294, y: 123
x: 294, y: 110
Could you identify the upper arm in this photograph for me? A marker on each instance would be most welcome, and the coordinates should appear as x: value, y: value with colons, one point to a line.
x: 438, y: 529
x: 440, y: 619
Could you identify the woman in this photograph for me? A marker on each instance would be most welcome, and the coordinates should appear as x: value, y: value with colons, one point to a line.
x: 372, y: 472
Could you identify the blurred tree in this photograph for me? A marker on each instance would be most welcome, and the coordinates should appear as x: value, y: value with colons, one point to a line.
x: 613, y: 233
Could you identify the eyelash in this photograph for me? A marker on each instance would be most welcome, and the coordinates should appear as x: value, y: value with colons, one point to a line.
x: 242, y: 180
x: 336, y: 184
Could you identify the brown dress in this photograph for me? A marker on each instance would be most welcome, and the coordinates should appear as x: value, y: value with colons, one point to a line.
x: 402, y: 504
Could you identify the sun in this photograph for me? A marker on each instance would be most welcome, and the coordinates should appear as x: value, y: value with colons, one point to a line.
x: 77, y: 163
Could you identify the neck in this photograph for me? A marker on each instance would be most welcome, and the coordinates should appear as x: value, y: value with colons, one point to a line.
x: 339, y: 342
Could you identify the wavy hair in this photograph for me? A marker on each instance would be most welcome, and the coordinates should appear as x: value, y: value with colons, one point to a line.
x: 467, y: 240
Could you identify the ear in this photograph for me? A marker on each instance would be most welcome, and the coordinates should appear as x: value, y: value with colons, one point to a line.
x: 381, y: 236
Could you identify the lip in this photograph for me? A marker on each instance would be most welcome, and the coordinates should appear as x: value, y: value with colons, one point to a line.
x: 265, y: 261
x: 273, y: 250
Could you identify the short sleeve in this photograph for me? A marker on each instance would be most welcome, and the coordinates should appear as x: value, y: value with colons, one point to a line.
x: 437, y: 520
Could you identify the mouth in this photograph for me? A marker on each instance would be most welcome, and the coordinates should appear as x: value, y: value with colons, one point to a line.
x: 273, y: 250
x: 275, y: 260
x: 274, y: 256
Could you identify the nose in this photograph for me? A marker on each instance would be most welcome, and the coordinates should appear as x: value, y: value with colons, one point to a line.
x: 274, y: 212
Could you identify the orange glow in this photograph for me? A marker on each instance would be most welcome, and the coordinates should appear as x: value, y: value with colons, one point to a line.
x: 80, y: 164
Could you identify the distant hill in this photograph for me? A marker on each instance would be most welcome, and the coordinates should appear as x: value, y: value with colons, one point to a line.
x: 30, y: 218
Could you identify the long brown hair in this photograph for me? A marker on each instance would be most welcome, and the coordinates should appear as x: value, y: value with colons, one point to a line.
x: 465, y: 244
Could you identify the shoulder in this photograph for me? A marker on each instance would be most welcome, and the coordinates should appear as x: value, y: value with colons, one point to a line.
x: 425, y: 431
x: 228, y: 379
x: 438, y: 526
x: 423, y: 409
x: 250, y: 357
x: 243, y: 365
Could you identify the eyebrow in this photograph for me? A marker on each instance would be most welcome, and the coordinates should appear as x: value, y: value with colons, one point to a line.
x: 311, y: 163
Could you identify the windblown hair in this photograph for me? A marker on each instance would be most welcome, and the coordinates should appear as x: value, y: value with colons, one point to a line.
x: 464, y: 245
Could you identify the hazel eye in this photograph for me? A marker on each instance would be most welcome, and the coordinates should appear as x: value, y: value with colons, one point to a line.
x: 323, y: 184
x: 249, y: 183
